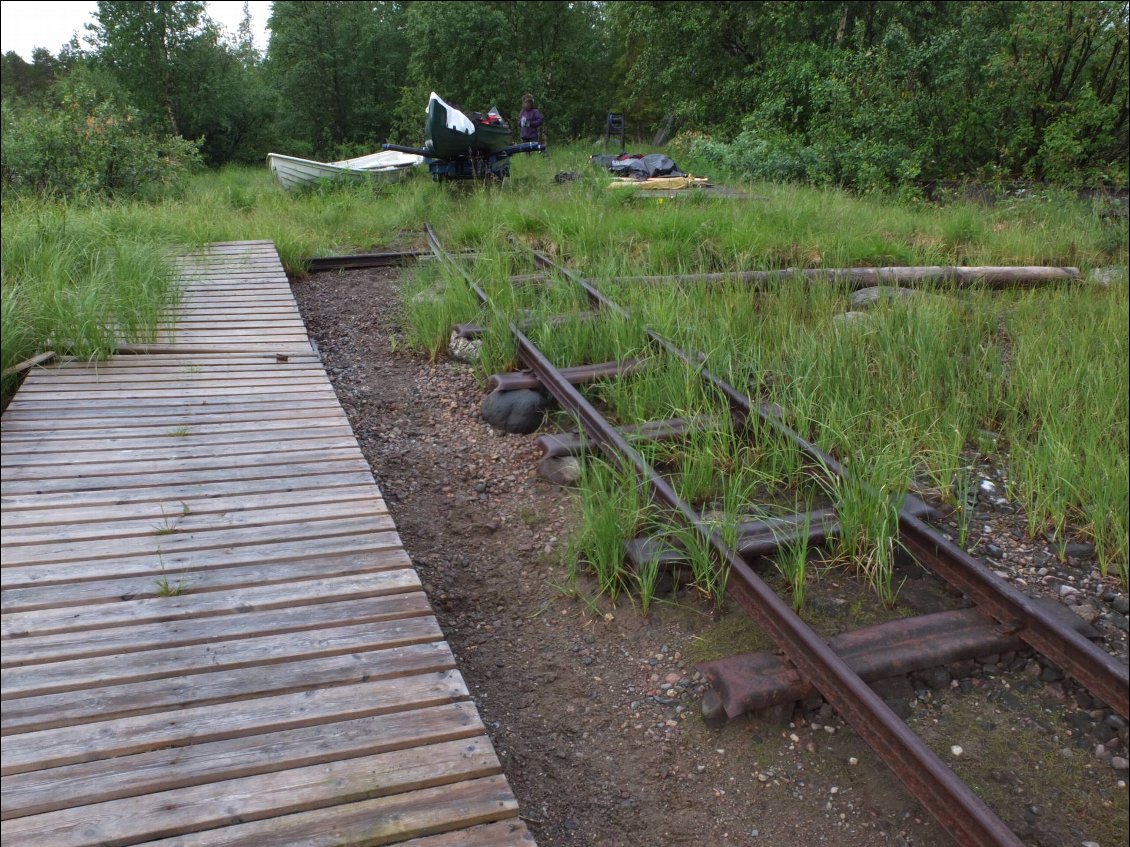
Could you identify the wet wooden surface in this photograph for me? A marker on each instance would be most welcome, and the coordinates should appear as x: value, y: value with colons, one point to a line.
x: 211, y: 631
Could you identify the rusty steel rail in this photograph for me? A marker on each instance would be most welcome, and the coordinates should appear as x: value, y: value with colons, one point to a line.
x: 1102, y: 674
x: 357, y: 261
x: 928, y: 778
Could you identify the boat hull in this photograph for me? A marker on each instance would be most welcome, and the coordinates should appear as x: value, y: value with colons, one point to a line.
x: 445, y: 142
x: 293, y: 173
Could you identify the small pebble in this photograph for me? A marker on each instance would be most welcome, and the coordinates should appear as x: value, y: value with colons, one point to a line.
x: 956, y: 750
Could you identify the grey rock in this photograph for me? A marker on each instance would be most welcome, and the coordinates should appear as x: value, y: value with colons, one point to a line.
x: 1051, y: 673
x: 1079, y: 550
x: 897, y: 692
x: 865, y: 298
x: 1087, y: 612
x: 560, y: 470
x: 936, y: 678
x: 1119, y: 763
x: 521, y: 411
x: 432, y: 294
x: 1106, y: 276
x: 962, y: 668
x: 1121, y: 604
x: 465, y: 349
x: 856, y: 320
x: 1105, y: 733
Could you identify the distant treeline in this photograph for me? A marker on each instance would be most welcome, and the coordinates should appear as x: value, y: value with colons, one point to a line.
x: 863, y: 94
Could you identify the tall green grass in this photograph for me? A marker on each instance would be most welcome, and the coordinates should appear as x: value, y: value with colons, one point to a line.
x: 916, y: 386
x: 903, y: 395
x: 76, y: 284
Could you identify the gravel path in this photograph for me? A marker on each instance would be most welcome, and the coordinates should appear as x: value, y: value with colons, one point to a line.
x: 594, y: 710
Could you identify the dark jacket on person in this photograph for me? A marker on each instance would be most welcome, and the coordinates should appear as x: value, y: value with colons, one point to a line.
x: 530, y: 122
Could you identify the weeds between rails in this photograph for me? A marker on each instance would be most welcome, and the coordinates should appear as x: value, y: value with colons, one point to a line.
x: 913, y: 392
x: 1040, y: 377
x: 949, y: 800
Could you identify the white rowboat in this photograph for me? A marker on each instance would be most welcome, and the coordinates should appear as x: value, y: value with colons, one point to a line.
x: 385, y: 167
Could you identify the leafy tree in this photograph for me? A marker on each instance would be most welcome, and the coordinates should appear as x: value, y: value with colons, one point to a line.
x: 872, y: 94
x: 183, y: 76
x: 336, y: 68
x: 491, y: 53
x: 29, y: 81
x: 88, y: 143
x: 148, y: 45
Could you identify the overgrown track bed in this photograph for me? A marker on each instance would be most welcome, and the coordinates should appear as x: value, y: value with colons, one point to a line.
x: 935, y: 785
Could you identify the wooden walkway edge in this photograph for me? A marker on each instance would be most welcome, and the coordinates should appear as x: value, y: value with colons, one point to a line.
x: 212, y: 634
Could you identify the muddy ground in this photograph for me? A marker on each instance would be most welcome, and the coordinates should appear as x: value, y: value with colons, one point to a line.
x: 594, y: 710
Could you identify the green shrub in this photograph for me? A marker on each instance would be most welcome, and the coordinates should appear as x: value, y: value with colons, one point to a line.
x: 89, y: 145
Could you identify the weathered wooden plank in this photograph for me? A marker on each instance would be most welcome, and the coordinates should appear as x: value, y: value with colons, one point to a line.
x: 262, y: 796
x: 171, y: 424
x: 360, y: 519
x: 31, y: 444
x: 50, y: 748
x: 192, y: 606
x: 51, y: 711
x: 111, y: 589
x: 80, y: 517
x: 137, y: 382
x: 289, y: 348
x: 377, y: 822
x: 49, y: 474
x: 178, y: 519
x: 105, y: 671
x: 21, y: 526
x: 170, y: 451
x: 511, y: 832
x: 40, y: 649
x: 196, y: 324
x: 278, y: 407
x: 173, y: 565
x: 36, y: 792
x: 312, y: 465
x: 329, y: 475
x: 159, y: 360
x: 172, y: 398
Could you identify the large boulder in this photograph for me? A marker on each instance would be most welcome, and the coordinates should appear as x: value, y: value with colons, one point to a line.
x: 521, y: 411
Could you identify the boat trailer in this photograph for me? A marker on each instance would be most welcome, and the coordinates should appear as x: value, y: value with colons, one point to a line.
x: 473, y: 165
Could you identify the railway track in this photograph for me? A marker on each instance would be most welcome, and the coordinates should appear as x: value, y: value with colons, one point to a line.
x: 1003, y: 616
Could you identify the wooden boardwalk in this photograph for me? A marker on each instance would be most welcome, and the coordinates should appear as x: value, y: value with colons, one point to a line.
x: 211, y: 632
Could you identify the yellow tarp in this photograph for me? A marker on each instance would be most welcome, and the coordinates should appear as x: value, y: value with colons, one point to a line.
x: 665, y: 183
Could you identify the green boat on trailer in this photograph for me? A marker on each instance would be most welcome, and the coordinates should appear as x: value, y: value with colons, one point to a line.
x: 450, y: 134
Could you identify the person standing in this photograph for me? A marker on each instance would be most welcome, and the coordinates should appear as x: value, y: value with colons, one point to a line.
x: 530, y: 120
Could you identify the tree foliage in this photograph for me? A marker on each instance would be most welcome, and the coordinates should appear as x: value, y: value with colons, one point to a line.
x: 871, y: 94
x: 336, y: 67
x: 88, y: 143
x: 491, y: 53
x: 182, y: 75
x: 860, y: 93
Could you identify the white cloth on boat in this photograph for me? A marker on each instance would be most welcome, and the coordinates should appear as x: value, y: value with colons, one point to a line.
x: 456, y: 120
x: 384, y: 160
